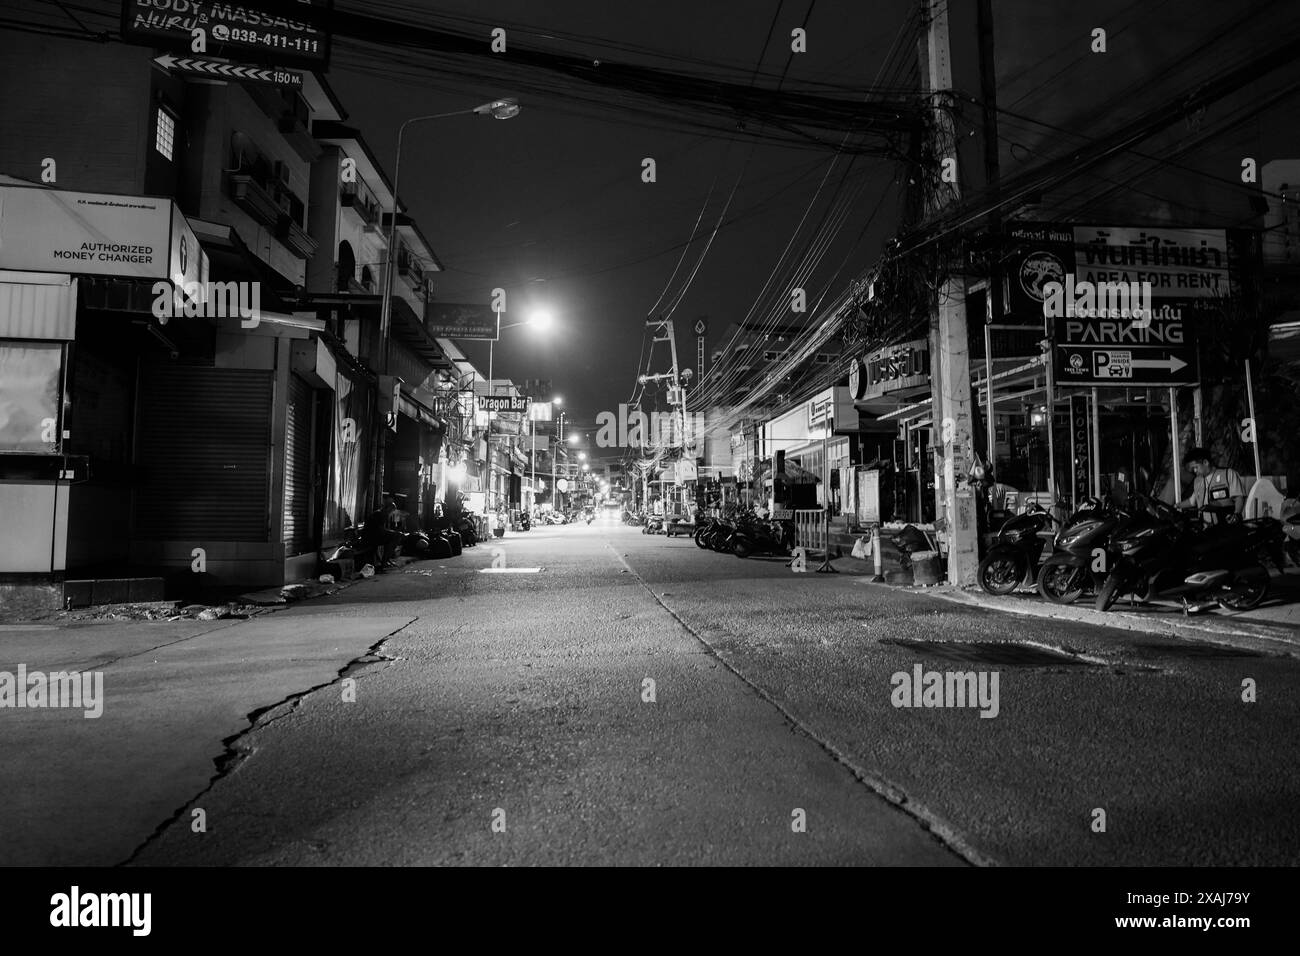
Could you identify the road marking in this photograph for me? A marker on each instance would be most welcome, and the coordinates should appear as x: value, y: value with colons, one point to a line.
x: 508, y: 570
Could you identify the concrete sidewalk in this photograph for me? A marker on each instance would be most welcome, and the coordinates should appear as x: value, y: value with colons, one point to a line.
x: 89, y: 791
x: 1273, y: 628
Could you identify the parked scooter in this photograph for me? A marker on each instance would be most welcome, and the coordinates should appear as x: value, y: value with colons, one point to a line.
x: 763, y: 537
x: 653, y: 525
x: 708, y: 525
x: 1172, y: 553
x: 525, y: 521
x: 1082, y: 557
x: 1013, y: 557
x: 1291, y: 530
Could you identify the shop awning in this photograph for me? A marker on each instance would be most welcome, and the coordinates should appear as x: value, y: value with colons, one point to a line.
x: 410, y: 331
x: 417, y: 411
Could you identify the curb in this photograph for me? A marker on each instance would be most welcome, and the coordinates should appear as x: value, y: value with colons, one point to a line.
x: 1263, y: 639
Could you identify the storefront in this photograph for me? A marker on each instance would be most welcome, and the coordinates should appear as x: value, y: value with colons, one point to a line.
x: 812, y: 452
x: 77, y: 274
x: 1092, y: 379
x: 890, y: 388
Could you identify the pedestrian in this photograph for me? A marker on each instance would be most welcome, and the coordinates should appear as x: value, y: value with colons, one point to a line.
x: 379, y: 534
x: 1216, y: 492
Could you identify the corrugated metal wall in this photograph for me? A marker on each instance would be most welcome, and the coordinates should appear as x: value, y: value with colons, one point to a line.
x: 297, y: 467
x: 37, y: 310
x: 203, y: 454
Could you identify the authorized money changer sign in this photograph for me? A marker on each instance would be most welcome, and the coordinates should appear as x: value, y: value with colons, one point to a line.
x: 237, y: 31
x: 134, y: 237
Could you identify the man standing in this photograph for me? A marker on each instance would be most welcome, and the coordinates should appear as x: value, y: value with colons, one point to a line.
x: 1218, y: 489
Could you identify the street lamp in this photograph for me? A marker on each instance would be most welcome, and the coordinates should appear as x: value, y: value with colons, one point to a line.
x: 539, y: 320
x: 498, y: 109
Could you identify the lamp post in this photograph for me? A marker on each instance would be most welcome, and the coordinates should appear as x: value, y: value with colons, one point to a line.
x: 498, y: 109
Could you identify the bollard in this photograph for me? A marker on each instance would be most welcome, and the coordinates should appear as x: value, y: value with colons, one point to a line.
x: 875, y: 553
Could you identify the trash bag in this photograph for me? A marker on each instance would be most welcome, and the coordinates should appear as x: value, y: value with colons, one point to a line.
x: 417, y: 542
x: 439, y: 548
x: 456, y: 542
x: 368, y: 571
x: 911, y: 539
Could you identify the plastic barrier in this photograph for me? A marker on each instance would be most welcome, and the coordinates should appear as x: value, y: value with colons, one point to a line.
x: 810, y: 529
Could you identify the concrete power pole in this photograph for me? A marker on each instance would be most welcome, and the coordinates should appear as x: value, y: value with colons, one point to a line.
x: 949, y: 344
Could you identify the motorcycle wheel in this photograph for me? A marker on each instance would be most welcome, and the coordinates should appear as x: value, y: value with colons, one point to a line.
x: 1254, y: 595
x: 1001, y: 573
x: 740, y: 548
x: 1061, y: 584
x: 699, y: 538
x: 1110, y: 591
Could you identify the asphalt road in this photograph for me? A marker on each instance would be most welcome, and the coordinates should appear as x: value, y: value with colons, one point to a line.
x: 510, y: 723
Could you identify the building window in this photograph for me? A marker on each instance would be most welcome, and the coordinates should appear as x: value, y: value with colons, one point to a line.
x: 823, y: 359
x: 29, y: 408
x: 773, y: 356
x: 165, y: 138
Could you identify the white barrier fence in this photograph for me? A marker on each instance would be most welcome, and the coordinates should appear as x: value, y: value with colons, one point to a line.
x: 810, y: 529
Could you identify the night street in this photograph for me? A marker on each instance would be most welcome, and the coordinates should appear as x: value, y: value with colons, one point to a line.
x: 838, y: 434
x: 772, y: 692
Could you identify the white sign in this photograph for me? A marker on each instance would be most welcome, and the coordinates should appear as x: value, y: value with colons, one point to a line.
x: 1179, y: 263
x: 134, y: 237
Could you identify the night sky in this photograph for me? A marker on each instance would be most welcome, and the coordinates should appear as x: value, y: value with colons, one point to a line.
x: 550, y: 205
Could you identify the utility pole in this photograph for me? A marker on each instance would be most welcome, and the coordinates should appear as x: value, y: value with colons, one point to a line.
x: 676, y: 394
x: 949, y: 345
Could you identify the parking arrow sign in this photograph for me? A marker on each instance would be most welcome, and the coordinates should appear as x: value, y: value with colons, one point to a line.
x: 220, y: 69
x: 1171, y: 364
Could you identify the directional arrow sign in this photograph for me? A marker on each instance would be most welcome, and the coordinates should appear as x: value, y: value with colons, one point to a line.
x: 1106, y: 351
x: 219, y: 69
x: 1171, y: 364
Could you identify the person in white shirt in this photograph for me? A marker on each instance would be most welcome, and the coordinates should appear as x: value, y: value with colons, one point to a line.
x: 1218, y: 489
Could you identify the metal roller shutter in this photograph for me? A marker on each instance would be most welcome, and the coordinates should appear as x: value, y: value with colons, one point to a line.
x: 203, y: 453
x: 297, y: 466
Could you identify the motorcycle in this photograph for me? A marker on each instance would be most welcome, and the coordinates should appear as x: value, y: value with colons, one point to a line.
x: 1291, y: 530
x: 525, y: 522
x: 653, y: 525
x: 1081, y: 558
x: 707, y: 527
x: 1013, y: 557
x: 720, y: 539
x: 466, y: 525
x: 763, y: 537
x: 1172, y: 553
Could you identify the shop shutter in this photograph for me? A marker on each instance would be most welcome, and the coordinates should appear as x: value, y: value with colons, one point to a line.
x: 297, y: 467
x: 203, y: 454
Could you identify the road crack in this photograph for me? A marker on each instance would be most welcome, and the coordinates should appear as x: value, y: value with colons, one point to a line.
x: 237, y: 748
